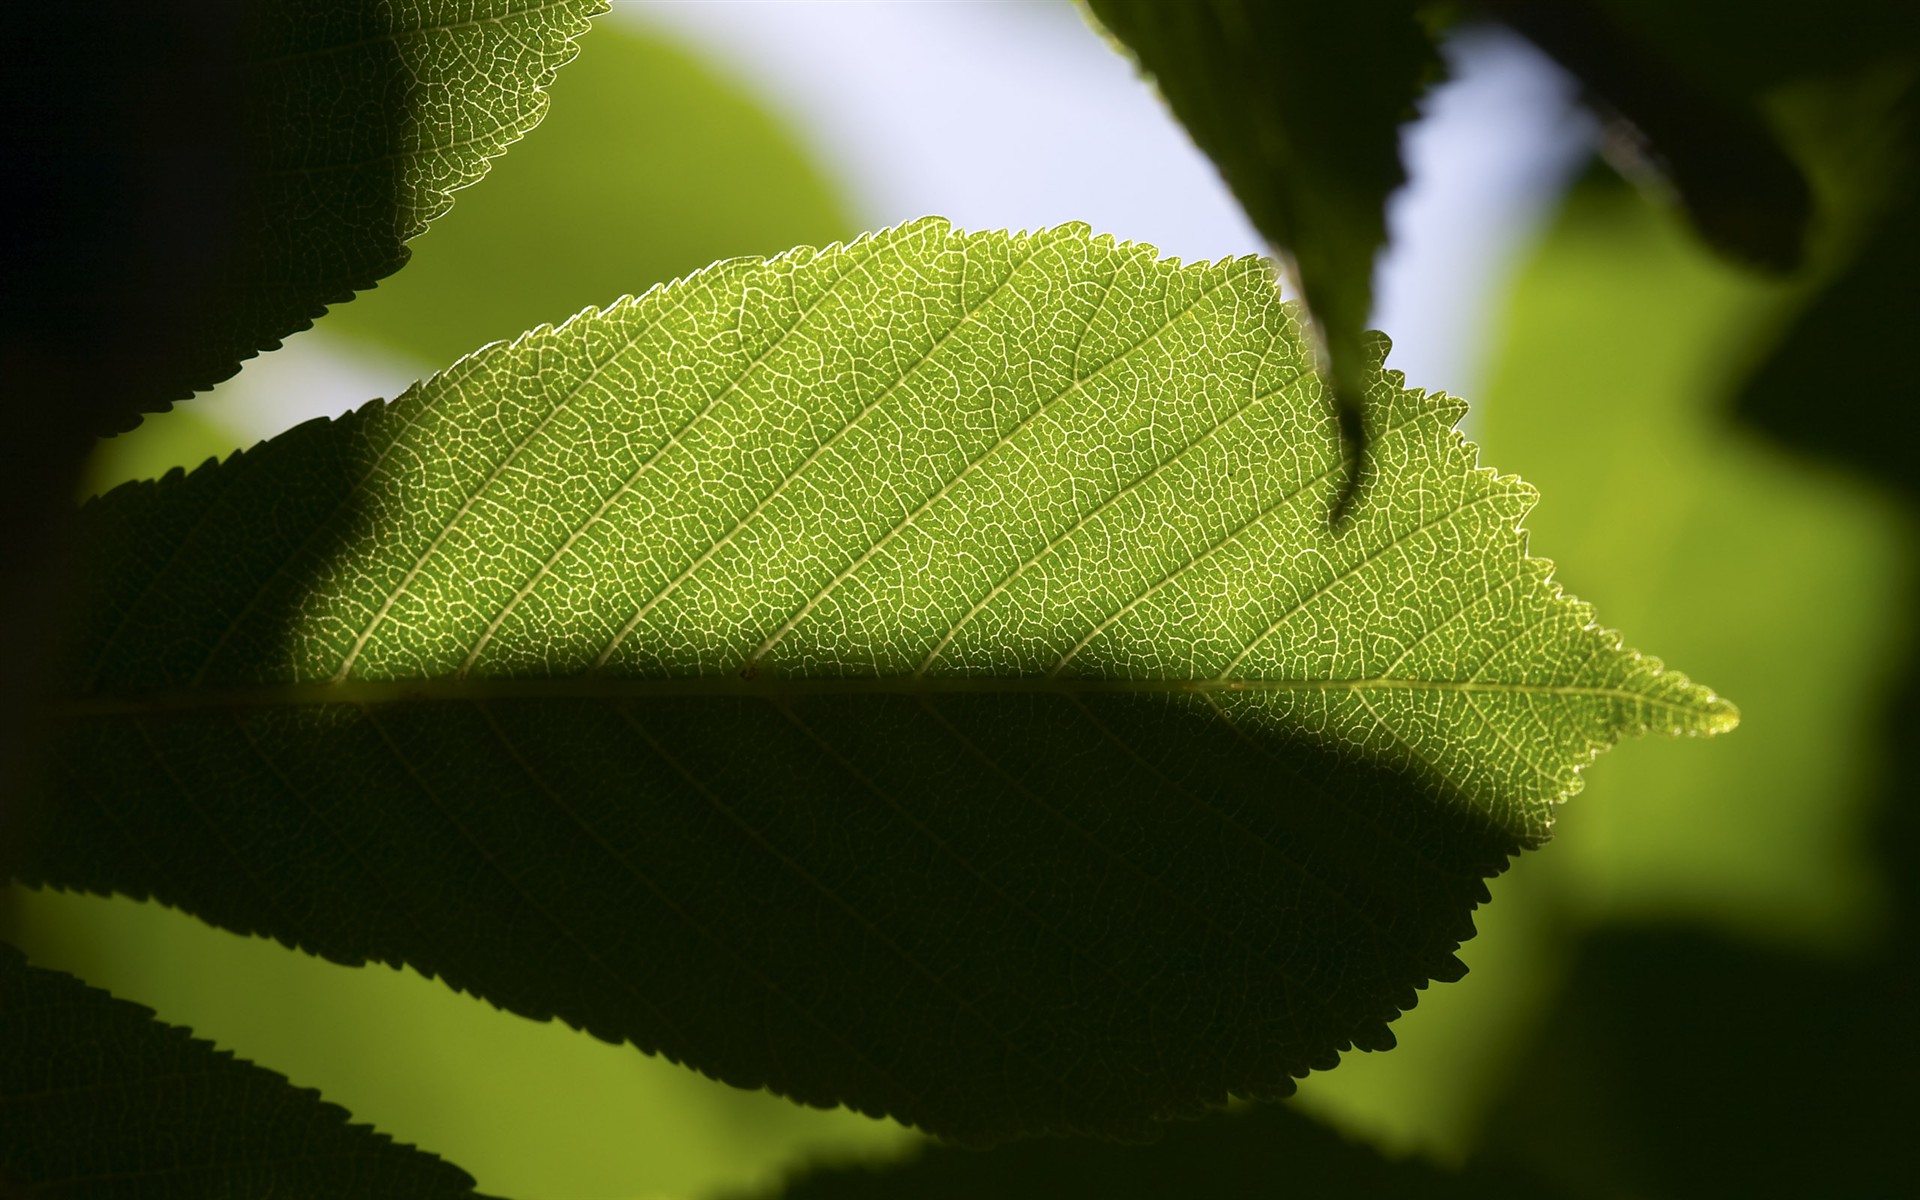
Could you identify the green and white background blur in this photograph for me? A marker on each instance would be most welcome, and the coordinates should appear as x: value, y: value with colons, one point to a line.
x: 1590, y: 334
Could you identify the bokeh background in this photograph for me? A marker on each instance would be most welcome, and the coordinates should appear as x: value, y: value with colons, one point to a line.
x: 1690, y: 973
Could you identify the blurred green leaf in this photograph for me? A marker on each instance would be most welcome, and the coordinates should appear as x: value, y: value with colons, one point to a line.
x: 650, y: 165
x: 1002, y: 550
x: 1612, y: 390
x: 1774, y: 42
x: 1609, y: 388
x: 1299, y: 103
x: 97, y: 1099
x: 1682, y: 1064
x: 1265, y: 1150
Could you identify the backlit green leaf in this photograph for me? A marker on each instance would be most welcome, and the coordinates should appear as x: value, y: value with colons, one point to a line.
x: 98, y: 1099
x: 916, y: 674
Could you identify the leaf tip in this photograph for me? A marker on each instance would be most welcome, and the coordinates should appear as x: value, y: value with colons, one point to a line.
x: 1721, y: 716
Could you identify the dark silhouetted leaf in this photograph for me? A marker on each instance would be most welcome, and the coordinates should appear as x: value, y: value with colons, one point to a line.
x: 1745, y: 196
x: 98, y: 1099
x: 916, y: 674
x: 234, y: 173
x: 1680, y: 1063
x: 1299, y: 103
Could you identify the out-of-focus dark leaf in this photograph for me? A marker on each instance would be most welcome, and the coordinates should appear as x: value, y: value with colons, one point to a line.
x: 1771, y: 42
x: 1682, y: 1064
x: 1266, y: 1150
x: 98, y: 1099
x: 1744, y: 195
x: 1299, y: 103
x: 1833, y: 384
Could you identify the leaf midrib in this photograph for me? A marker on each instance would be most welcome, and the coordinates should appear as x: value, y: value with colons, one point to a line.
x: 593, y: 686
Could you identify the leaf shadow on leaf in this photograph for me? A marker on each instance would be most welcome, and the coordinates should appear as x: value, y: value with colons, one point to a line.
x: 1021, y: 913
x: 988, y: 912
x: 989, y: 900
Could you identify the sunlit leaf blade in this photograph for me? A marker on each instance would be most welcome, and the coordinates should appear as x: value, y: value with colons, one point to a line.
x: 358, y: 120
x: 916, y: 674
x: 1268, y: 1150
x: 1299, y: 103
x: 98, y: 1099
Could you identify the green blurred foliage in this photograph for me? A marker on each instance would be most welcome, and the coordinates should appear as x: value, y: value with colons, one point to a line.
x: 1786, y: 585
x: 650, y: 164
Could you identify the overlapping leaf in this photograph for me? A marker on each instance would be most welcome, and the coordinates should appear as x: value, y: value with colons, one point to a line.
x: 98, y: 1099
x: 916, y: 674
x: 356, y: 121
x: 1299, y: 104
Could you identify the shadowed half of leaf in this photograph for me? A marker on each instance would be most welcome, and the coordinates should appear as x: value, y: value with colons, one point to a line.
x: 915, y: 674
x: 98, y: 1099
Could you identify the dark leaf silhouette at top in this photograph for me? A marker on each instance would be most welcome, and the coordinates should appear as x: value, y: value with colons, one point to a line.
x: 1831, y: 385
x: 915, y: 674
x: 215, y: 176
x: 98, y: 1100
x: 1299, y: 103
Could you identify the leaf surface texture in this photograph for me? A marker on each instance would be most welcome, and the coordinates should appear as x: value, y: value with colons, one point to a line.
x: 916, y: 674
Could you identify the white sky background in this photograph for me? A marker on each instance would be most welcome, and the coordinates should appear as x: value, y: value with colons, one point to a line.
x: 1014, y: 114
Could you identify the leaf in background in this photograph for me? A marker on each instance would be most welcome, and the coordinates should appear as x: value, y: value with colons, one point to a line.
x: 99, y: 1099
x: 914, y: 674
x: 1826, y: 386
x: 1745, y: 196
x: 1299, y: 103
x: 349, y: 125
x: 612, y: 197
x: 1266, y: 1150
x: 1621, y: 312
